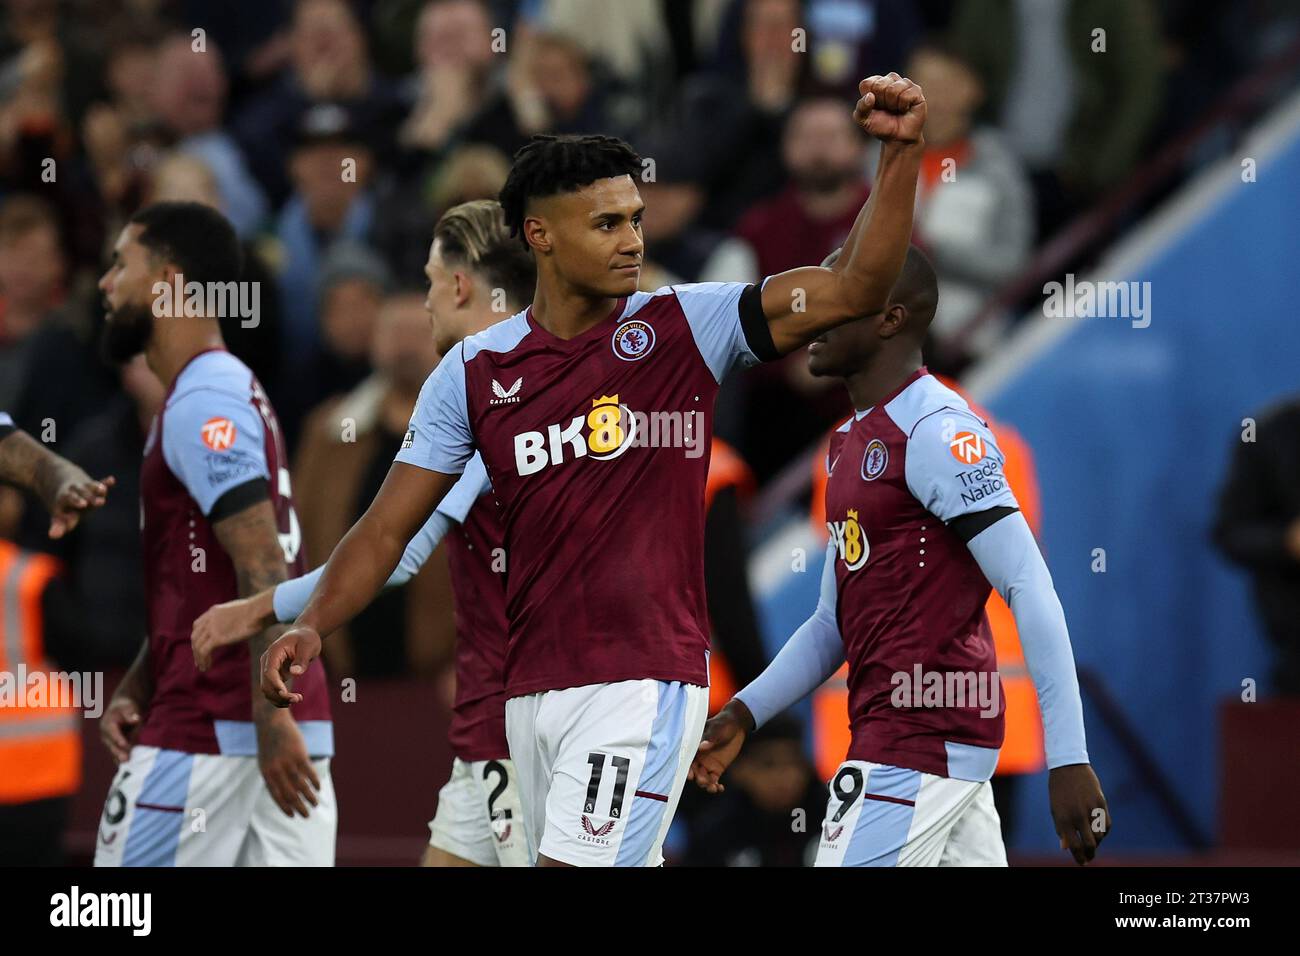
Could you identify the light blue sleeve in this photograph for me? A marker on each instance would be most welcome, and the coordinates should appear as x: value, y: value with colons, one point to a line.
x: 467, y: 490
x: 439, y: 437
x: 291, y: 597
x: 212, y: 440
x: 713, y: 313
x: 954, y: 466
x: 1009, y: 557
x: 5, y: 420
x: 814, y: 652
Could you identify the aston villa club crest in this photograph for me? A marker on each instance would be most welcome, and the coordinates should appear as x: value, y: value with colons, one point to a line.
x: 874, y: 460
x: 633, y: 340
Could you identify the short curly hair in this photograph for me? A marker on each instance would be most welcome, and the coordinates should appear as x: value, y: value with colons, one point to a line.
x: 549, y: 164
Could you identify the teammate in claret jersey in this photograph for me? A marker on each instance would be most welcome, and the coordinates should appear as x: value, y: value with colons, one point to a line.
x: 210, y: 773
x: 479, y: 820
x: 921, y: 523
x: 598, y: 452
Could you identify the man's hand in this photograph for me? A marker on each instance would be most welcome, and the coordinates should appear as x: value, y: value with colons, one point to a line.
x: 285, y: 764
x: 724, y: 735
x: 118, y: 725
x: 1078, y: 809
x: 72, y: 492
x: 64, y: 489
x: 288, y: 657
x: 224, y: 624
x: 892, y: 109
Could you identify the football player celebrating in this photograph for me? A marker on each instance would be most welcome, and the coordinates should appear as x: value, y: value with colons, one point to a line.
x: 479, y: 820
x: 606, y: 668
x: 210, y: 773
x: 922, y: 522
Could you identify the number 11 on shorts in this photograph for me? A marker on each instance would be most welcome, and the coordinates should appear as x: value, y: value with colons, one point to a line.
x: 597, y: 761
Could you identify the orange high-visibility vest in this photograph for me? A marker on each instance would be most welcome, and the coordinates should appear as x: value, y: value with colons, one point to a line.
x: 1022, y: 747
x: 726, y: 470
x: 40, y: 744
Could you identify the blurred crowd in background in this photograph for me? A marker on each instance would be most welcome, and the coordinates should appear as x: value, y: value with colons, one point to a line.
x: 334, y: 133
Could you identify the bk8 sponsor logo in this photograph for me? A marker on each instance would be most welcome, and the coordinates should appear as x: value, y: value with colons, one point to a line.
x: 850, y: 541
x: 603, y: 433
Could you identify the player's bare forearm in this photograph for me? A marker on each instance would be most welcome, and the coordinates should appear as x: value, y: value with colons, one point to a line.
x: 251, y: 539
x: 803, y: 303
x: 28, y: 464
x: 20, y: 458
x: 364, y: 560
x: 65, y: 489
x: 137, y: 682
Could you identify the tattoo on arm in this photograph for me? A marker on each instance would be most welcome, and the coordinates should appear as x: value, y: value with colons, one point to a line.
x: 28, y: 464
x: 252, y: 541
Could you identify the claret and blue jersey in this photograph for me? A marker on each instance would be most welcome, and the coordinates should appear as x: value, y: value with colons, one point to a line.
x: 215, y: 433
x: 603, y: 520
x: 909, y: 594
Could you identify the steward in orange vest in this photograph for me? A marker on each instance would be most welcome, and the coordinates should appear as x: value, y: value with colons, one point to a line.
x: 40, y: 737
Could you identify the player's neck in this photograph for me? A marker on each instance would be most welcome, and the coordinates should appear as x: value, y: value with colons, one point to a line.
x: 168, y: 354
x: 880, y: 378
x: 566, y: 313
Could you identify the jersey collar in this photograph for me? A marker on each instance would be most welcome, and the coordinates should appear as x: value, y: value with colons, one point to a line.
x: 907, y: 382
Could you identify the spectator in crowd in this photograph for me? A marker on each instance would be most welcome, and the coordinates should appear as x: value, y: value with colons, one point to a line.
x: 329, y: 64
x: 975, y: 207
x: 1258, y: 527
x: 1079, y: 119
x: 407, y: 214
x: 455, y: 73
x: 554, y: 86
x: 130, y: 70
x: 104, y: 589
x: 351, y: 290
x: 771, y: 812
x: 50, y: 377
x: 186, y: 177
x: 739, y: 113
x: 845, y: 40
x: 52, y: 55
x: 31, y: 285
x: 634, y: 48
x: 190, y: 97
x: 253, y: 37
x: 824, y: 154
x: 115, y: 169
x: 331, y: 168
x: 347, y: 446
